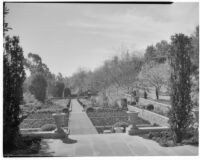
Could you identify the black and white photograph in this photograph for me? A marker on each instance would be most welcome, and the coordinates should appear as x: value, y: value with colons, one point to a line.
x: 100, y: 79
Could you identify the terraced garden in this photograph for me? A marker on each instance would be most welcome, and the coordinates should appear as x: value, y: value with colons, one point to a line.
x: 44, y: 116
x: 105, y: 118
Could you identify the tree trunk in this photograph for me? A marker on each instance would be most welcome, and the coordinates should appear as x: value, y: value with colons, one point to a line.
x: 178, y: 136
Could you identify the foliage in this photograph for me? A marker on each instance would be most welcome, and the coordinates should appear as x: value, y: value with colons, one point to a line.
x: 150, y: 53
x: 90, y: 109
x: 164, y: 138
x: 26, y: 147
x: 48, y: 127
x: 118, y: 71
x: 59, y: 89
x: 150, y: 107
x: 195, y: 51
x: 13, y: 78
x: 180, y: 114
x: 29, y: 98
x: 67, y: 92
x: 195, y: 67
x: 38, y: 87
x: 6, y: 28
x: 157, y: 53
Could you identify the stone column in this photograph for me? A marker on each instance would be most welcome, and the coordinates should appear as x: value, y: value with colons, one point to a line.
x: 132, y: 117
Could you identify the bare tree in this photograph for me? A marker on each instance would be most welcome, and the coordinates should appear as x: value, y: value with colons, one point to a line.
x: 155, y: 75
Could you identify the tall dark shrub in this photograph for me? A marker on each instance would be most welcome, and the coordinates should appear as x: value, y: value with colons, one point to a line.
x: 67, y: 92
x: 59, y: 89
x: 38, y: 87
x: 13, y: 78
x: 180, y: 113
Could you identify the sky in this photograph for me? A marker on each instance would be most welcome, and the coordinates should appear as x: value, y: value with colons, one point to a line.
x: 72, y: 36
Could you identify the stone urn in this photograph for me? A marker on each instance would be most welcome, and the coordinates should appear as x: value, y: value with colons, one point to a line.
x: 132, y: 118
x: 60, y: 119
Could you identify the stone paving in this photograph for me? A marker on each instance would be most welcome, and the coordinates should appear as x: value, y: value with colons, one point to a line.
x: 120, y: 144
x: 79, y: 123
x: 85, y: 141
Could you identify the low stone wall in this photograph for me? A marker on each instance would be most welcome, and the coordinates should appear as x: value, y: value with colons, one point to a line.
x: 159, y: 106
x: 150, y: 116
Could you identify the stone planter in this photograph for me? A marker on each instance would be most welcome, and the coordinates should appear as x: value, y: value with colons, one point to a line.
x: 132, y: 117
x: 60, y: 119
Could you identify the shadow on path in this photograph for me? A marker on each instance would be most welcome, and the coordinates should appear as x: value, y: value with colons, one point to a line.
x: 69, y: 141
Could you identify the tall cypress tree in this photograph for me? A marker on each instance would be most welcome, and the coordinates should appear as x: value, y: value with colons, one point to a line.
x: 13, y: 78
x: 180, y: 113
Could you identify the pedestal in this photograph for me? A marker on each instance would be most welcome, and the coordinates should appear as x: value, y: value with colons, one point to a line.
x: 132, y: 117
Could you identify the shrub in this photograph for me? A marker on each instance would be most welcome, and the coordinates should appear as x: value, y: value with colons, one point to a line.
x: 38, y: 87
x: 90, y: 109
x: 65, y: 110
x: 145, y: 95
x: 29, y: 98
x: 67, y: 92
x: 59, y: 88
x: 150, y: 107
x: 133, y: 103
x: 150, y: 135
x: 48, y: 127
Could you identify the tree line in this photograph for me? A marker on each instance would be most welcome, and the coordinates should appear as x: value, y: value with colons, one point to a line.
x: 130, y: 70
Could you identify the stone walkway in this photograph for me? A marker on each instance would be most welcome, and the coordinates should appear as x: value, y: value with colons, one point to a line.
x: 119, y: 144
x: 79, y: 123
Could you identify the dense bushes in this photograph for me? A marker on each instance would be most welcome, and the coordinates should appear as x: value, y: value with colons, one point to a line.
x: 26, y: 147
x: 165, y: 138
x: 38, y: 87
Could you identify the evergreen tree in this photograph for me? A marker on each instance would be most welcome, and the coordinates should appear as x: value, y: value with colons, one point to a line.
x: 13, y: 78
x: 180, y: 113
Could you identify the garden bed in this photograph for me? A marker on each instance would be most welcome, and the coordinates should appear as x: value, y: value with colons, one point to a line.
x: 107, y: 118
x: 44, y: 116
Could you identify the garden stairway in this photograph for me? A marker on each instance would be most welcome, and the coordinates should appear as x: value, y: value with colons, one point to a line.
x: 79, y: 123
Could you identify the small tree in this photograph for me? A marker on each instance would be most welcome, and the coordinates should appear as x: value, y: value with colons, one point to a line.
x: 38, y: 87
x: 180, y: 113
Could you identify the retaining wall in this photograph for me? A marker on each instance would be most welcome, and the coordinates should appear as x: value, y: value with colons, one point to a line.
x: 150, y: 116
